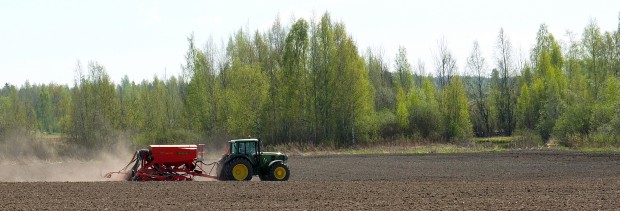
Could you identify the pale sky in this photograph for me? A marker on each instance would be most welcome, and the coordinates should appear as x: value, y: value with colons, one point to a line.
x: 41, y: 41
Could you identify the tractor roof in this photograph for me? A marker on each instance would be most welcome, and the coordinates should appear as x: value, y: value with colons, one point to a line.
x: 243, y: 140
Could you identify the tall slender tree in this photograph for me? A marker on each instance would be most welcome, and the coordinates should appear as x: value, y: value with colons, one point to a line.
x: 445, y: 63
x: 506, y: 98
x: 476, y: 66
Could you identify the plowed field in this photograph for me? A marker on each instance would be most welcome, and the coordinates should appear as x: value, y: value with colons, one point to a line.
x: 471, y: 181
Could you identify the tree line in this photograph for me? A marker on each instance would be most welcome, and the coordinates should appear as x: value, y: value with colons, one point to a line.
x: 309, y: 83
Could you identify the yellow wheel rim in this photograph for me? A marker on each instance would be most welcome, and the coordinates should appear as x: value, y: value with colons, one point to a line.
x: 240, y: 172
x: 279, y: 173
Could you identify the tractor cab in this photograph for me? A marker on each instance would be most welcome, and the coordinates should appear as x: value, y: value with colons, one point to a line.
x: 244, y: 158
x: 249, y: 147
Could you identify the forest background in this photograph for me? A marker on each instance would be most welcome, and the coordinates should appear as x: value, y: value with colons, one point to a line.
x: 308, y: 83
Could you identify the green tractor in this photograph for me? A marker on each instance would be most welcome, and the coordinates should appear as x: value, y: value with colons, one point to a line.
x: 244, y: 159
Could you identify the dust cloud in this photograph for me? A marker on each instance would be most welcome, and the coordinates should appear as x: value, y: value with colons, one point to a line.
x: 27, y: 158
x: 30, y: 159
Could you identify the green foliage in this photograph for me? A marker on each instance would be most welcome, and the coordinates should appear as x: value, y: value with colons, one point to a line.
x: 95, y: 108
x: 572, y: 122
x: 593, y: 46
x: 353, y: 91
x: 606, y: 108
x: 404, y: 75
x: 4, y: 113
x: 525, y: 109
x: 387, y: 123
x: 308, y: 84
x: 247, y: 95
x: 504, y: 82
x: 552, y: 102
x: 480, y: 110
x: 294, y: 88
x: 455, y: 111
x: 200, y: 94
x: 381, y: 80
x: 611, y: 128
x: 44, y: 111
x: 542, y: 99
x: 402, y: 112
x: 425, y: 116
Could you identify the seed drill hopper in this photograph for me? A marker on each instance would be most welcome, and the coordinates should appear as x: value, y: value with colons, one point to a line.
x: 166, y: 163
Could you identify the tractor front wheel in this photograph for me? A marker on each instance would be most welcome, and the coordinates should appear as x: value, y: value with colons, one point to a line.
x: 239, y: 169
x: 279, y: 172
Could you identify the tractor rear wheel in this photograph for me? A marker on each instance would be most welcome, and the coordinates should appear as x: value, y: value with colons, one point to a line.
x: 239, y: 169
x: 279, y: 172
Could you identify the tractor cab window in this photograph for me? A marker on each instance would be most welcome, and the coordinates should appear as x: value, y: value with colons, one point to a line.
x: 247, y: 148
x: 251, y: 148
x: 241, y: 146
x: 233, y: 148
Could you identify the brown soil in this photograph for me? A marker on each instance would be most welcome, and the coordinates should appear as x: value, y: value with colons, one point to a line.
x: 471, y: 181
